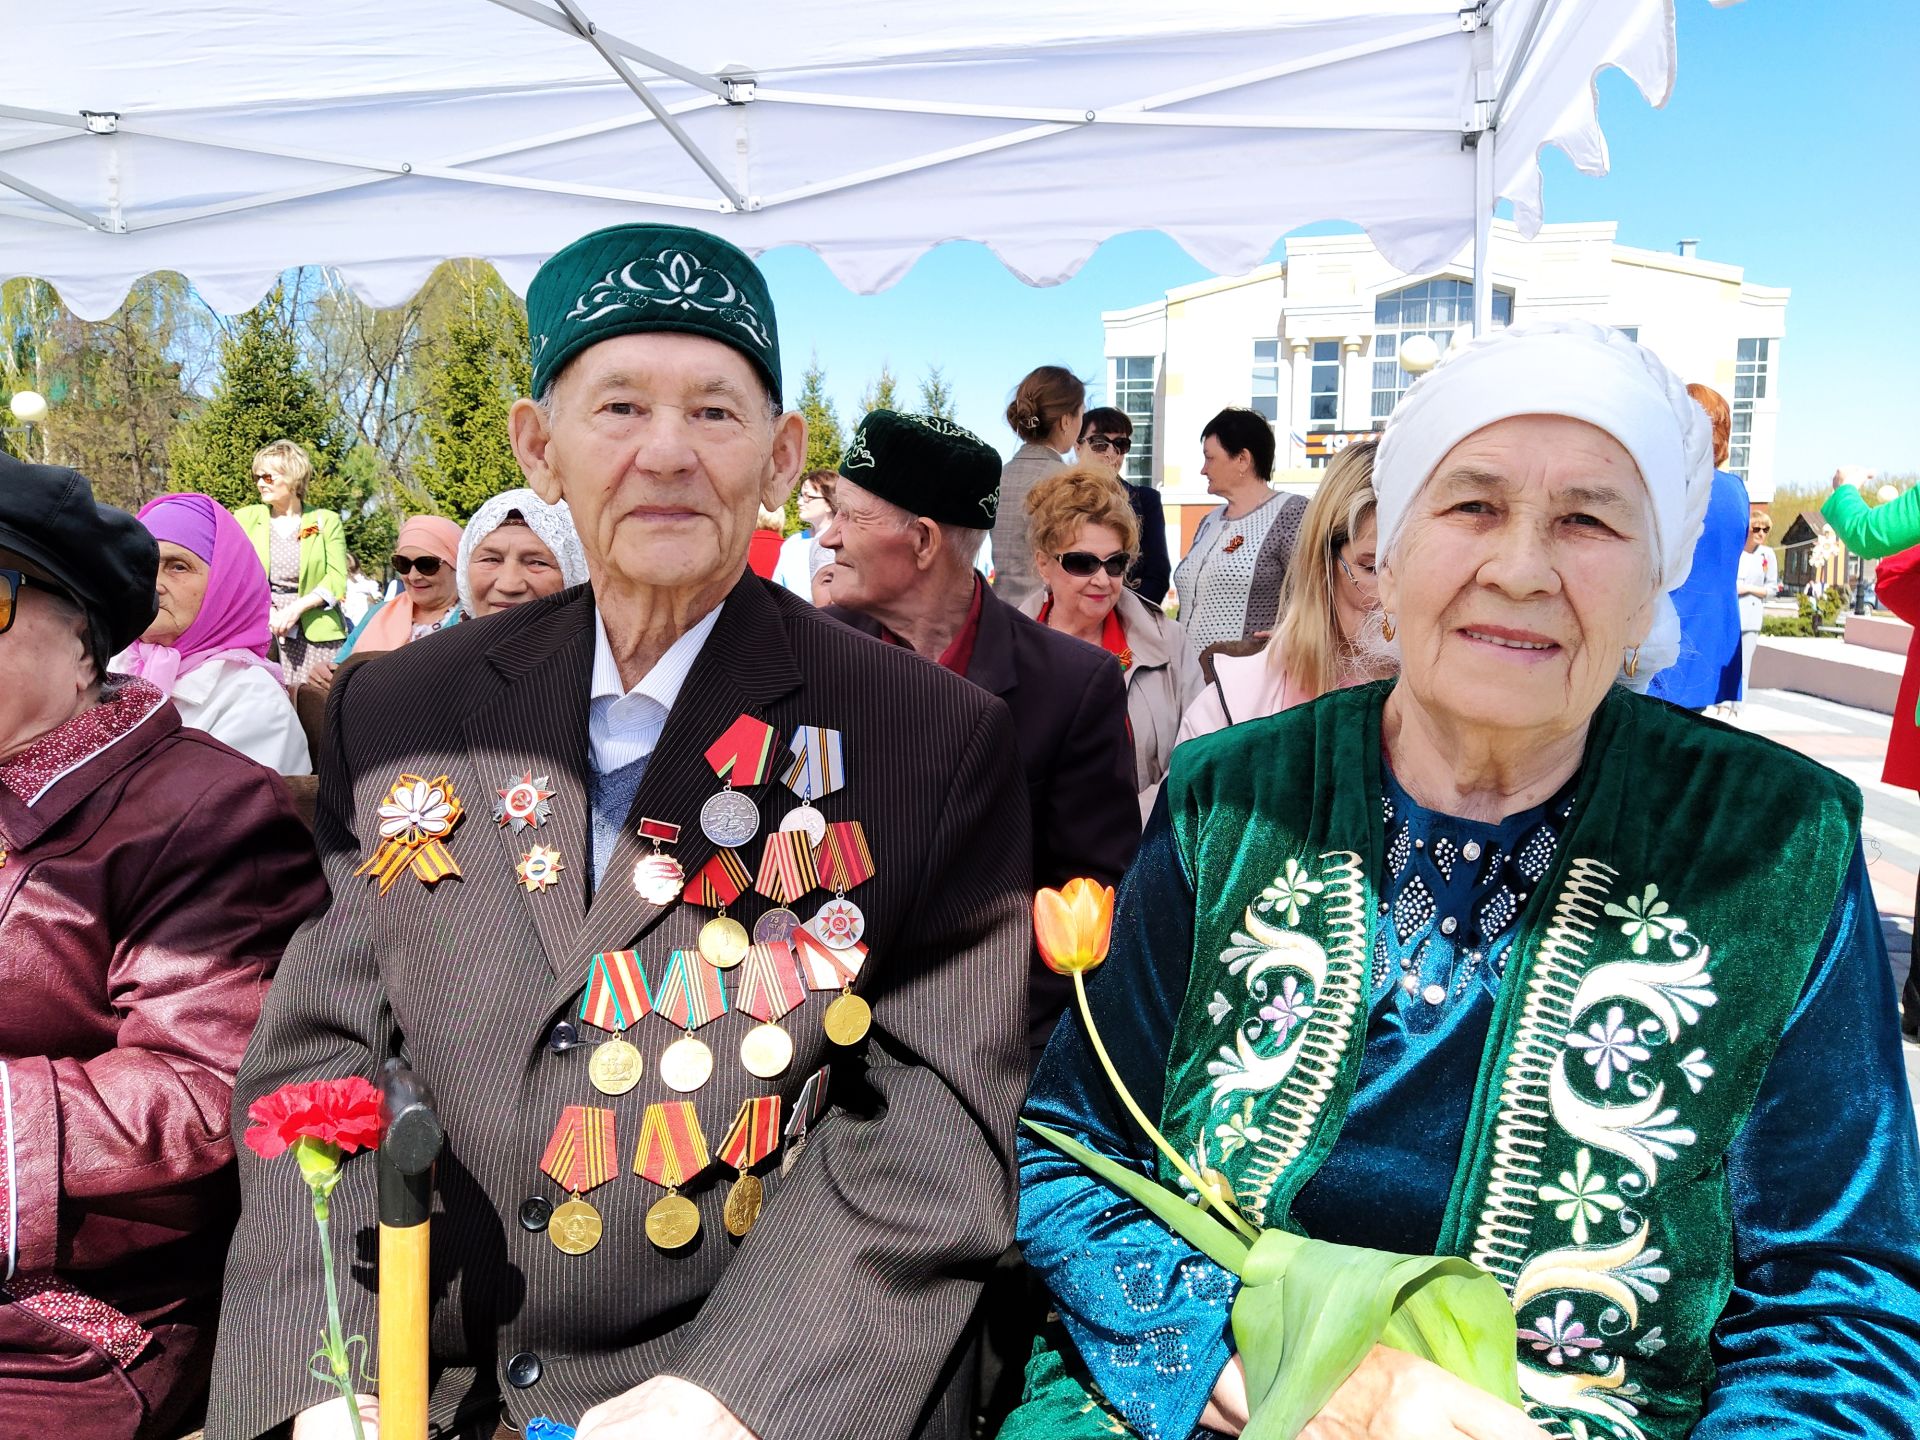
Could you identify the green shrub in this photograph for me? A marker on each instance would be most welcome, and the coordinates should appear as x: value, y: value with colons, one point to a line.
x: 1798, y: 627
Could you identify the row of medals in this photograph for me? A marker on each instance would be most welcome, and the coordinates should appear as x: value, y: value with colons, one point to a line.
x: 730, y: 819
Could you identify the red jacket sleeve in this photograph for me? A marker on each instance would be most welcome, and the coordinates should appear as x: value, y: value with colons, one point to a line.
x: 1896, y: 581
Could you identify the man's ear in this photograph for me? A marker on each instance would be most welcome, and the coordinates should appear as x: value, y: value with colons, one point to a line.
x: 789, y: 457
x: 927, y: 541
x: 527, y: 428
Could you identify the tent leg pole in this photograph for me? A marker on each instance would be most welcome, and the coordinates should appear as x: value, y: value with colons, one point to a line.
x: 1482, y: 232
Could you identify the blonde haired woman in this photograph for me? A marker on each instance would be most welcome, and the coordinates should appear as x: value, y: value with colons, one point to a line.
x: 304, y: 552
x: 1330, y: 598
x: 1084, y: 537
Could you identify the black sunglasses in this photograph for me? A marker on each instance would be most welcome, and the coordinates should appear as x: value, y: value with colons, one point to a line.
x: 427, y: 565
x: 1084, y: 563
x: 14, y: 580
x: 1100, y: 444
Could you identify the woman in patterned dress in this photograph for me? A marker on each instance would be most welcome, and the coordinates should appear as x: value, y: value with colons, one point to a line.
x: 304, y: 551
x: 1497, y: 960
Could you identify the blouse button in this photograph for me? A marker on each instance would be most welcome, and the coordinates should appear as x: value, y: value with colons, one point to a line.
x: 1449, y: 925
x: 1471, y: 850
x: 1434, y: 994
x: 1409, y: 984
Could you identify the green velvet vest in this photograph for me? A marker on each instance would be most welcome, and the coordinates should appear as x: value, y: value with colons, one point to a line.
x: 1652, y: 973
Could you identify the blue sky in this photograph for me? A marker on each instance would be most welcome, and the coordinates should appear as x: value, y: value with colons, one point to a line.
x: 1786, y: 149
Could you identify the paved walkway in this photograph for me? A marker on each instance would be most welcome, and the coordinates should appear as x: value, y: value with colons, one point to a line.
x: 1854, y: 742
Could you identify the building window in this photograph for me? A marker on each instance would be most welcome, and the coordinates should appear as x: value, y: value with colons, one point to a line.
x: 1132, y: 392
x: 1752, y: 374
x: 1435, y: 308
x: 1323, y: 388
x: 1266, y: 380
x: 1632, y: 332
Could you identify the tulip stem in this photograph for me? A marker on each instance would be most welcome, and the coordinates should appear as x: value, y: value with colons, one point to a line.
x: 1206, y: 1191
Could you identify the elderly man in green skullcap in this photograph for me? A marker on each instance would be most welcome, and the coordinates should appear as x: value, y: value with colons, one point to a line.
x: 716, y: 972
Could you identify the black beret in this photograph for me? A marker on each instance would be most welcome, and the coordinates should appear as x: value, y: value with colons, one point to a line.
x: 103, y: 557
x: 926, y: 465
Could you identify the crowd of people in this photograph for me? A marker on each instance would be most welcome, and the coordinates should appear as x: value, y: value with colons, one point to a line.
x: 1437, y: 933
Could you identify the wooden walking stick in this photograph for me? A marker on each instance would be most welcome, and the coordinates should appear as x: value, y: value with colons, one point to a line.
x: 407, y: 1151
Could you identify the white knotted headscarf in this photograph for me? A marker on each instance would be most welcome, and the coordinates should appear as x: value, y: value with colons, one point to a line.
x: 1584, y: 372
x: 552, y: 523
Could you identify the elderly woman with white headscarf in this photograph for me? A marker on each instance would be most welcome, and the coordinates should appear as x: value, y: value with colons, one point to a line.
x: 1498, y: 961
x: 517, y: 548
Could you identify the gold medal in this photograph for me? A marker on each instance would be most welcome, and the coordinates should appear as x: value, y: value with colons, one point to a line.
x: 616, y: 1068
x: 723, y: 942
x: 673, y: 1222
x: 686, y: 1065
x: 766, y: 1051
x: 743, y: 1204
x: 575, y: 1227
x: 848, y: 1019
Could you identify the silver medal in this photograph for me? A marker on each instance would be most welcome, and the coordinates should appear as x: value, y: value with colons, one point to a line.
x: 839, y: 923
x: 729, y: 819
x: 808, y: 821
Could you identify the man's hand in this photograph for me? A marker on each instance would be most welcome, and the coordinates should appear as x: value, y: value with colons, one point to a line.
x: 664, y: 1408
x: 1858, y: 476
x: 1393, y: 1396
x: 331, y: 1421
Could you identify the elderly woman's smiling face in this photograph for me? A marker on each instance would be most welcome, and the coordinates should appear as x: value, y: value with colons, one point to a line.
x: 1524, y: 572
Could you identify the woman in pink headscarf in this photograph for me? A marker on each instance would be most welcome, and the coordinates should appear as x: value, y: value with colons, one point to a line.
x: 424, y: 557
x: 207, y: 648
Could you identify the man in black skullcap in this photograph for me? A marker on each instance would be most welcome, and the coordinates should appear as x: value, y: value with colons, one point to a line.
x: 617, y: 1091
x: 917, y: 500
x: 149, y: 878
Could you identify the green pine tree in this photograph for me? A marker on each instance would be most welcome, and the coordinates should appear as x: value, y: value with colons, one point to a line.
x: 825, y: 440
x: 936, y: 395
x: 264, y: 394
x: 881, y: 392
x: 480, y: 368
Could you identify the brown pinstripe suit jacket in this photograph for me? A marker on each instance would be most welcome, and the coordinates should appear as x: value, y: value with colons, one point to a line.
x: 842, y: 1312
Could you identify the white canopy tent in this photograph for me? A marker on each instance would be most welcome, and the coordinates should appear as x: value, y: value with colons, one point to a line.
x: 232, y: 139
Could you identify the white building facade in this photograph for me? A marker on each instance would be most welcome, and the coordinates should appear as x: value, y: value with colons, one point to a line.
x: 1311, y: 343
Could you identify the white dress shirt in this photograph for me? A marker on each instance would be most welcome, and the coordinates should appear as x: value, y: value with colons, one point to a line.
x: 624, y: 725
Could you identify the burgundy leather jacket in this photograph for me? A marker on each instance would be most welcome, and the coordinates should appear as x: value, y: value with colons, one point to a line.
x: 151, y: 877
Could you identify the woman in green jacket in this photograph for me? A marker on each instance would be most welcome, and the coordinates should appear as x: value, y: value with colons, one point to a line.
x: 305, y: 555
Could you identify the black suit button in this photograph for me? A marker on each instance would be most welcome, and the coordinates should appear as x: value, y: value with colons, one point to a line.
x: 535, y: 1213
x: 563, y: 1036
x: 524, y: 1370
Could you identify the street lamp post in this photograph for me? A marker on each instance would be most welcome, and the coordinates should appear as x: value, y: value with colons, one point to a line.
x: 29, y: 407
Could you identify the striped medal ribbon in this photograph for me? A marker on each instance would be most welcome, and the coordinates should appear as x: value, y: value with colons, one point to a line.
x: 845, y: 860
x: 755, y: 1135
x: 719, y: 882
x: 744, y: 754
x: 691, y: 991
x: 787, y: 867
x: 808, y: 1106
x: 672, y: 1151
x: 579, y: 1156
x: 769, y: 984
x: 616, y: 993
x: 814, y: 767
x: 822, y: 966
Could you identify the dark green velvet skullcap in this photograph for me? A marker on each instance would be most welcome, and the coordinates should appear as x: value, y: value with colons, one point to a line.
x: 630, y: 279
x: 926, y: 465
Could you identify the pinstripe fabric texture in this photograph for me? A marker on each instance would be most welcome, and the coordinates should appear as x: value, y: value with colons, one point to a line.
x: 843, y: 1312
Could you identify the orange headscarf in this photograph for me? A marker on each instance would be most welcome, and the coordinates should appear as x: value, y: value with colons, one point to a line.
x: 392, y: 625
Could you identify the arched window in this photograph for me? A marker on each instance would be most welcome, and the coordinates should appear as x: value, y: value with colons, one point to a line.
x: 1435, y: 307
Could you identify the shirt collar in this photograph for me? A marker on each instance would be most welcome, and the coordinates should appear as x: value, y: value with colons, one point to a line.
x: 662, y: 683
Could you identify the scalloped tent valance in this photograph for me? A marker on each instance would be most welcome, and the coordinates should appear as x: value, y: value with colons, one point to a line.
x: 230, y: 142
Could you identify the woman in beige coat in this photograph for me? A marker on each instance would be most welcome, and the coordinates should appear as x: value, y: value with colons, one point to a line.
x: 1083, y: 536
x: 1045, y: 413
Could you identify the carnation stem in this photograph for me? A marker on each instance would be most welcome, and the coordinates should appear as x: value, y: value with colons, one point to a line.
x: 336, y: 1342
x: 1206, y: 1192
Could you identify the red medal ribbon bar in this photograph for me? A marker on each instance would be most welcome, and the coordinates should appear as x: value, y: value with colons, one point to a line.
x: 672, y: 1148
x: 692, y: 992
x: 744, y: 755
x: 616, y: 993
x: 659, y: 832
x: 824, y: 967
x: 769, y: 984
x: 580, y: 1154
x: 845, y: 860
x: 719, y: 882
x: 755, y: 1134
x: 415, y: 819
x: 787, y: 867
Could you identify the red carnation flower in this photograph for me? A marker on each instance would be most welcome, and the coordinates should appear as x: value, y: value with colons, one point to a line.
x: 343, y: 1113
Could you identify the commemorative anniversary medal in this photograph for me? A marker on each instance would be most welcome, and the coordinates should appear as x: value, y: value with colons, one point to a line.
x: 672, y: 1151
x: 743, y: 756
x: 616, y: 996
x: 755, y: 1135
x: 767, y: 987
x: 578, y: 1157
x: 691, y: 993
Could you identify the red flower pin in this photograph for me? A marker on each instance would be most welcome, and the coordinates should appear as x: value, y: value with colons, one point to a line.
x: 341, y: 1113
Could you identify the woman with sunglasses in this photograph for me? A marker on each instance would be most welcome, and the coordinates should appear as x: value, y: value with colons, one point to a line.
x: 424, y: 558
x: 304, y: 552
x: 1326, y: 635
x: 1106, y: 437
x: 1084, y: 537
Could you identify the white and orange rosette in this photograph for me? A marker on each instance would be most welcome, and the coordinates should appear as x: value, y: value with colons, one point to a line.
x: 415, y: 819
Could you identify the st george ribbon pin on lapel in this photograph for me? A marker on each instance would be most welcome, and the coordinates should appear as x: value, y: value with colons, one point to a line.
x: 657, y: 877
x: 415, y: 820
x: 741, y: 757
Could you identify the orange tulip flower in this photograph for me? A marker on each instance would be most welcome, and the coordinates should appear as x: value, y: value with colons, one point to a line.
x: 1074, y: 926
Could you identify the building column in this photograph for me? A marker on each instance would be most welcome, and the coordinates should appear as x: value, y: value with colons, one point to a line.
x: 1356, y: 385
x: 1299, y: 377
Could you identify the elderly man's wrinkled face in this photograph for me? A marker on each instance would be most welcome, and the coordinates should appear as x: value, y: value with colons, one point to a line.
x: 875, y: 560
x: 1524, y: 572
x: 664, y: 447
x: 46, y: 673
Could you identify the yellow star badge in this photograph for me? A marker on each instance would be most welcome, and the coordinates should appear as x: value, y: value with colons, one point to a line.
x: 539, y: 868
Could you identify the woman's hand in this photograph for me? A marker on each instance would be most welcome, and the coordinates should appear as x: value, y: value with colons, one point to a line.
x: 283, y: 619
x: 1858, y: 476
x: 1394, y: 1396
x: 1226, y: 1411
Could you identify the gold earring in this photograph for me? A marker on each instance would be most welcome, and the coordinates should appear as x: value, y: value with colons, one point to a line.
x: 1386, y: 628
x: 1633, y: 662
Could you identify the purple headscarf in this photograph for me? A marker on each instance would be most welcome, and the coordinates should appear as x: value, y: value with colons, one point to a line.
x: 232, y: 623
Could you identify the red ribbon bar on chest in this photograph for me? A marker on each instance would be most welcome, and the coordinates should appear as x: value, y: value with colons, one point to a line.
x: 744, y: 755
x: 616, y: 993
x: 581, y: 1154
x: 672, y: 1148
x: 719, y: 882
x: 755, y: 1134
x: 844, y: 859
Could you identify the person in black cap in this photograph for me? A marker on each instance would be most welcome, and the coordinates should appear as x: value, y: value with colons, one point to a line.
x: 152, y: 878
x: 918, y: 498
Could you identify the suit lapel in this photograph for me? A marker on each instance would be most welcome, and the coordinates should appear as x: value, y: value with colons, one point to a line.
x: 992, y: 667
x: 538, y: 722
x: 743, y: 668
